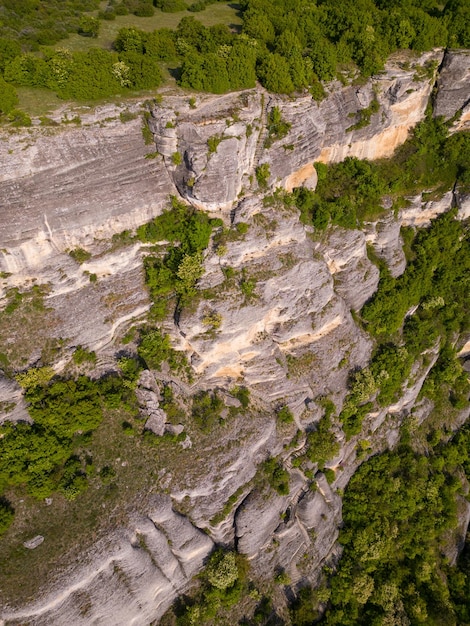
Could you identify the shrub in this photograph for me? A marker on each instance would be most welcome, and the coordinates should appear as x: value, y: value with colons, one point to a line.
x: 154, y: 348
x: 222, y: 570
x: 243, y: 395
x: 176, y: 158
x: 82, y: 355
x: 7, y: 514
x: 277, y: 127
x: 8, y: 96
x: 206, y: 408
x: 213, y: 142
x: 80, y: 255
x: 322, y: 443
x: 263, y: 173
x: 19, y: 118
x: 285, y: 415
x: 277, y: 476
x: 88, y: 26
x: 171, y: 6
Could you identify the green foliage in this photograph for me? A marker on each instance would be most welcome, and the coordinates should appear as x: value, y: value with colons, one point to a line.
x: 274, y: 74
x: 39, y: 455
x: 365, y: 115
x: 8, y: 97
x: 34, y: 377
x: 19, y: 118
x: 247, y: 286
x: 212, y: 320
x: 7, y: 514
x: 80, y: 255
x: 213, y: 142
x: 188, y: 232
x: 176, y: 158
x: 276, y: 475
x: 147, y: 135
x: 263, y: 173
x: 222, y: 583
x: 322, y: 443
x: 82, y: 355
x: 439, y: 269
x: 302, y: 609
x: 88, y: 26
x: 285, y: 415
x: 242, y: 394
x: 396, y: 509
x: 171, y: 6
x: 154, y: 348
x: 24, y: 23
x: 277, y: 127
x: 222, y: 570
x: 350, y: 192
x: 88, y: 75
x: 213, y: 61
x: 206, y: 408
x: 286, y: 47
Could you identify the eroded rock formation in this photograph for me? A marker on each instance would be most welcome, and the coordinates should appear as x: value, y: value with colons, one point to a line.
x: 290, y: 340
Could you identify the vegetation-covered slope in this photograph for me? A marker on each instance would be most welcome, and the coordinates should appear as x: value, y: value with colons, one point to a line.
x: 286, y: 46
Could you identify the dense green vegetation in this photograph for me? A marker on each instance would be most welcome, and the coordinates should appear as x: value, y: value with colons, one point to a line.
x: 45, y: 456
x: 175, y: 273
x: 436, y: 277
x: 221, y: 585
x: 436, y: 281
x: 396, y: 510
x: 350, y: 192
x: 287, y: 46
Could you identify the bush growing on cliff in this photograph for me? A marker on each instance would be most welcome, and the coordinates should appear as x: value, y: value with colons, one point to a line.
x: 188, y: 231
x: 276, y: 475
x: 206, y: 408
x: 322, y: 443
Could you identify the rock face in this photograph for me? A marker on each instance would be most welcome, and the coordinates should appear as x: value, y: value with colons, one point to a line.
x: 284, y: 298
x: 452, y: 87
x: 144, y: 568
x: 222, y: 141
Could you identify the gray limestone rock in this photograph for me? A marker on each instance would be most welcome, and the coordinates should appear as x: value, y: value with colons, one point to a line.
x: 33, y: 543
x: 257, y: 519
x: 286, y: 329
x: 452, y: 84
x: 384, y: 235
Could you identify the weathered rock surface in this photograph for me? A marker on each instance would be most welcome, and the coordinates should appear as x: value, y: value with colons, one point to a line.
x: 144, y: 567
x: 212, y: 175
x: 286, y: 329
x: 452, y: 87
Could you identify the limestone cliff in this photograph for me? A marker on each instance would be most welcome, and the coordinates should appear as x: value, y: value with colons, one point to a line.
x: 291, y: 338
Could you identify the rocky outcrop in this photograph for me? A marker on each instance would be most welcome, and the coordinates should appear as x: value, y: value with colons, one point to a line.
x: 223, y: 140
x: 145, y: 567
x: 275, y: 313
x: 452, y: 98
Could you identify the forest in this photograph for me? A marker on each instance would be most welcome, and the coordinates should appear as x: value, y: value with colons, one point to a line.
x: 286, y: 46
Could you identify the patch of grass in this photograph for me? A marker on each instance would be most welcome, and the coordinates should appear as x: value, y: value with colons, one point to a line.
x: 300, y: 365
x: 25, y: 326
x: 37, y: 101
x: 218, y: 13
